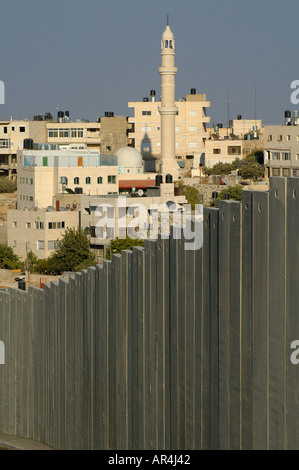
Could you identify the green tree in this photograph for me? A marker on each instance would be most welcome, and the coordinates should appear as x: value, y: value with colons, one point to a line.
x: 7, y: 185
x: 219, y: 169
x: 235, y: 193
x: 8, y: 259
x: 72, y: 250
x: 252, y: 170
x: 192, y: 195
x: 120, y: 244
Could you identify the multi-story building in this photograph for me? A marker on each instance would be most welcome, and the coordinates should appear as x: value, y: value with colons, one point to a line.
x: 281, y: 154
x: 38, y: 230
x: 12, y: 136
x: 106, y: 136
x: 190, y: 128
x: 44, y: 173
x: 226, y: 150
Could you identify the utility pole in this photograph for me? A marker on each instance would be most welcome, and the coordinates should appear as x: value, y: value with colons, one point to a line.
x: 27, y: 263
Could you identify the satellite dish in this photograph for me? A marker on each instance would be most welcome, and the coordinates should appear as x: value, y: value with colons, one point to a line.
x: 140, y: 193
x: 171, y: 206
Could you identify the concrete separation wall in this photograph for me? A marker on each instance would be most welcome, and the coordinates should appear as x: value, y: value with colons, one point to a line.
x: 163, y: 348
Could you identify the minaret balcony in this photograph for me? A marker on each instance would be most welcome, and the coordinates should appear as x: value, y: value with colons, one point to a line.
x: 168, y: 110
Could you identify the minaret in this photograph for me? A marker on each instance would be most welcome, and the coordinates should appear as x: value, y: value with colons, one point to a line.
x: 168, y: 110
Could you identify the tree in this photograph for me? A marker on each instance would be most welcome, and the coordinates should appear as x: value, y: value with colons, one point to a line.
x: 192, y: 195
x: 8, y: 259
x: 7, y: 185
x: 72, y: 250
x: 219, y: 169
x: 252, y: 170
x: 235, y: 193
x: 120, y: 244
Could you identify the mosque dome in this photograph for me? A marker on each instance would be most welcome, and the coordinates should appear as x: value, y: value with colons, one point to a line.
x: 129, y: 157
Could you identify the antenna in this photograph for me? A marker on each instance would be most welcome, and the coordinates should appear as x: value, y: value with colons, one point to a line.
x: 255, y: 104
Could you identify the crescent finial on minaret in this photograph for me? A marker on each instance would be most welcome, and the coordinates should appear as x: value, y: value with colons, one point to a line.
x: 167, y: 19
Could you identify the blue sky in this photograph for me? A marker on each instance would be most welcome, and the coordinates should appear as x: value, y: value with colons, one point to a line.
x: 94, y: 56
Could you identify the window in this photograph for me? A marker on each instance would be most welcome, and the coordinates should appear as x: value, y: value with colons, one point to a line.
x: 88, y: 180
x: 192, y: 128
x: 216, y: 151
x: 275, y: 155
x: 75, y: 133
x: 192, y: 113
x: 234, y: 150
x: 192, y: 144
x: 270, y: 138
x: 177, y: 128
x: 286, y: 156
x: 177, y: 144
x: 40, y: 245
x: 297, y: 156
x: 166, y: 43
x: 295, y: 172
x: 15, y: 224
x: 52, y: 244
x: 31, y: 181
x: 279, y: 138
x: 108, y: 148
x: 76, y: 180
x: 288, y: 137
x: 110, y: 232
x: 146, y: 113
x: 28, y: 225
x: 5, y: 130
x: 275, y: 172
x: 64, y: 133
x: 39, y: 225
x: 100, y: 180
x: 4, y: 143
x: 146, y: 128
x: 52, y: 133
x: 158, y: 128
x: 45, y: 161
x: 14, y: 245
x: 31, y: 198
x: 22, y: 129
x: 111, y: 179
x: 286, y: 172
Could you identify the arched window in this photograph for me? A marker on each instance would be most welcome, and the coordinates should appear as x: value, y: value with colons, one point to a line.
x: 100, y: 180
x: 76, y: 180
x: 88, y: 180
x: 166, y: 43
x: 170, y: 44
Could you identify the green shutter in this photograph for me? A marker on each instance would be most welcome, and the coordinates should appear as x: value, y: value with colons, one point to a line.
x: 45, y: 161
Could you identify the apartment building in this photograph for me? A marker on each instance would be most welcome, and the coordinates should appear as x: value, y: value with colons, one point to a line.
x: 120, y: 215
x: 12, y: 136
x: 44, y: 173
x: 226, y: 150
x: 106, y: 136
x: 281, y: 153
x: 38, y: 230
x: 190, y: 128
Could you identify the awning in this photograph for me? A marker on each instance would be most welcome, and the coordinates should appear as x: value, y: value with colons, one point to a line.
x: 138, y: 184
